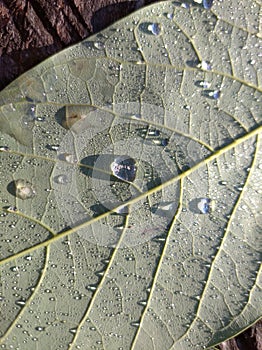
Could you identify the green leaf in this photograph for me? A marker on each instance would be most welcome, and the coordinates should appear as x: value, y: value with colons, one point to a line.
x: 131, y: 185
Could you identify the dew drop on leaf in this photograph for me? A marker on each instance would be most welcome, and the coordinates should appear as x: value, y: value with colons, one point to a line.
x: 4, y: 148
x: 61, y: 179
x: 99, y: 45
x: 20, y: 302
x: 154, y: 28
x: 205, y: 65
x: 204, y: 84
x: 205, y: 205
x: 24, y: 189
x: 124, y: 168
x: 207, y: 4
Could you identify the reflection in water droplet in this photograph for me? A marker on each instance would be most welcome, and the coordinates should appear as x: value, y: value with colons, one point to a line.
x: 205, y: 205
x: 24, y: 189
x: 40, y: 329
x: 154, y: 28
x: 124, y: 168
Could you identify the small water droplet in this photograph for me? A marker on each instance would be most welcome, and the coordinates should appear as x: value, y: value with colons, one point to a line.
x: 185, y: 5
x: 153, y: 133
x: 40, y: 329
x: 24, y: 189
x: 222, y: 183
x: 164, y: 142
x: 124, y: 168
x: 73, y: 330
x: 154, y: 28
x: 170, y: 15
x: 61, y: 179
x: 207, y: 4
x: 4, y: 148
x: 53, y: 147
x: 68, y: 157
x: 91, y: 287
x: 20, y: 302
x: 99, y: 45
x: 204, y: 84
x: 135, y: 324
x: 11, y: 209
x: 28, y: 257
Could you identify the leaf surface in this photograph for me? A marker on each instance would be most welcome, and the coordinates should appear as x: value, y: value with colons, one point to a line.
x: 131, y: 186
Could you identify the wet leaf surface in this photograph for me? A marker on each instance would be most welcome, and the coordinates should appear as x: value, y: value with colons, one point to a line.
x: 139, y: 219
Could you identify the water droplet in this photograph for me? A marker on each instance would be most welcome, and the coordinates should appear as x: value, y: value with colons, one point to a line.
x: 12, y: 209
x: 68, y: 157
x: 135, y: 324
x: 185, y: 5
x: 205, y: 65
x: 124, y: 168
x: 40, y: 329
x: 154, y: 28
x: 24, y: 189
x: 164, y: 142
x: 205, y: 205
x: 223, y: 183
x: 207, y: 4
x: 28, y: 257
x: 216, y: 94
x: 61, y: 179
x: 73, y: 330
x: 53, y: 147
x: 20, y: 302
x: 204, y: 84
x: 4, y: 148
x: 170, y: 15
x: 91, y: 287
x: 153, y: 133
x: 99, y: 45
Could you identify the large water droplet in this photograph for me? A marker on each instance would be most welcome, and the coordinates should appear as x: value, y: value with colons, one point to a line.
x: 204, y: 205
x: 24, y: 189
x: 124, y: 168
x: 154, y: 28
